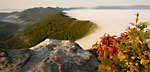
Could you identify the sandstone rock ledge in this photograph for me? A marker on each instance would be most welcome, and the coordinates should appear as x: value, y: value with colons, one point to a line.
x: 48, y: 56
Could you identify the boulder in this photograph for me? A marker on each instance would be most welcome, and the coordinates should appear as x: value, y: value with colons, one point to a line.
x: 49, y: 56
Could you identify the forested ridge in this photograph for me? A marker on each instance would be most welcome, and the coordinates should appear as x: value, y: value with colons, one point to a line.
x: 54, y: 26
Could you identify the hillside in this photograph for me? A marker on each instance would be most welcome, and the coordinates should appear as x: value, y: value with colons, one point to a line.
x: 28, y: 16
x: 7, y: 30
x: 31, y: 15
x: 34, y: 14
x: 55, y: 26
x: 3, y: 15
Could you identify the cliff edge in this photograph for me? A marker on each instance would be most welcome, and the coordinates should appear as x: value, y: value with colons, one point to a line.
x: 49, y: 56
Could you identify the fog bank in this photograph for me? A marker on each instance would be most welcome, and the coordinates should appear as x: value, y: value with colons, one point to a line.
x: 112, y: 22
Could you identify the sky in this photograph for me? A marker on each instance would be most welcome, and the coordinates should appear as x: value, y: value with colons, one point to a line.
x: 24, y: 4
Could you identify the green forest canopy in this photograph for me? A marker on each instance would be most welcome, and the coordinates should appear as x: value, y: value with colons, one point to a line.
x: 55, y: 26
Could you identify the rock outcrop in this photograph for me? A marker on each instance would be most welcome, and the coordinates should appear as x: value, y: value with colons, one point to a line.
x: 49, y: 56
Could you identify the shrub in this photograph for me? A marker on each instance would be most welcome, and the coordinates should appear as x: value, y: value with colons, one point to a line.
x: 128, y: 53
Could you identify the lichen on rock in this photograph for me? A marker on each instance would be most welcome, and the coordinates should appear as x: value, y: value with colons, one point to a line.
x: 49, y: 56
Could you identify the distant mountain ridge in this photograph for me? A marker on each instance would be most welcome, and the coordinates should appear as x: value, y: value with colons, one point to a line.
x: 123, y: 7
x: 31, y: 15
x: 6, y: 10
x: 28, y: 16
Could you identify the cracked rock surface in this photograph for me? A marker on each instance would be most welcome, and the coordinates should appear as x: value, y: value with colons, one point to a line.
x: 49, y: 56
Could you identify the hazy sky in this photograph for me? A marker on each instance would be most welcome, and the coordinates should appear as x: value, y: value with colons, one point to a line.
x: 22, y: 4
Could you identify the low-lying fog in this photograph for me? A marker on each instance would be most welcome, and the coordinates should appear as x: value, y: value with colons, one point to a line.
x: 112, y: 22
